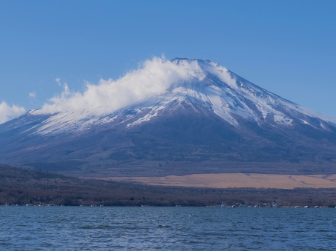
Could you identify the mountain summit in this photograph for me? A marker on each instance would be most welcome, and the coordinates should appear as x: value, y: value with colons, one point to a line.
x: 171, y: 117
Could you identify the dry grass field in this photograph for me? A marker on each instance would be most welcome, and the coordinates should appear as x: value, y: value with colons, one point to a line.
x: 237, y: 180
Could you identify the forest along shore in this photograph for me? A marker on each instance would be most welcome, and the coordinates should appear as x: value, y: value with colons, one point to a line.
x: 30, y: 187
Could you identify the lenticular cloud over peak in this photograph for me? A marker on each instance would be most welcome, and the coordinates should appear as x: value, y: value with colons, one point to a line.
x: 152, y: 77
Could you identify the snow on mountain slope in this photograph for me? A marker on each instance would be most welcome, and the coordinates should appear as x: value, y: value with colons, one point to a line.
x: 171, y: 117
x: 158, y: 84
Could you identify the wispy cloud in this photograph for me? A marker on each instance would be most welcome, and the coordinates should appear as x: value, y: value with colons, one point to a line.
x: 151, y: 78
x: 7, y: 112
x: 58, y: 81
x: 32, y: 95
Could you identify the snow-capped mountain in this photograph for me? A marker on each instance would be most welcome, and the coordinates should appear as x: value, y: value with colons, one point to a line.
x: 166, y: 113
x: 211, y: 86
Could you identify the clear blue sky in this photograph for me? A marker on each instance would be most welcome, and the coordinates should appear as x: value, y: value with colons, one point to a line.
x: 287, y: 47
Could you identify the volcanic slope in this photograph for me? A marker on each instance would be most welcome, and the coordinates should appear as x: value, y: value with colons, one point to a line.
x: 191, y: 116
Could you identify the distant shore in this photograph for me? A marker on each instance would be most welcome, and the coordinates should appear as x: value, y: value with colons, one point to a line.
x: 27, y: 187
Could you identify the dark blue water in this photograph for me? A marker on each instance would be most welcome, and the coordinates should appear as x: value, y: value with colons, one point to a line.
x: 152, y: 228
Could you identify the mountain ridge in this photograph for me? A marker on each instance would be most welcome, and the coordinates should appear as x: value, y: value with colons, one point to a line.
x: 199, y: 115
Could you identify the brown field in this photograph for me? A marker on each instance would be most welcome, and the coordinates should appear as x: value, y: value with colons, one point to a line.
x: 236, y: 180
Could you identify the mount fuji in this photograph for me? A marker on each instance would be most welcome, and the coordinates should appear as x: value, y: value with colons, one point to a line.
x: 175, y: 116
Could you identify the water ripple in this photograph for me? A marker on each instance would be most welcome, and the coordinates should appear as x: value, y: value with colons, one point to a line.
x: 122, y: 228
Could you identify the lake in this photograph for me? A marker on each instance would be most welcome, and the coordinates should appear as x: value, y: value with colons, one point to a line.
x: 155, y: 228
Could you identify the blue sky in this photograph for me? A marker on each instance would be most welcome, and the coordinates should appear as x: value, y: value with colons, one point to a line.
x: 287, y: 47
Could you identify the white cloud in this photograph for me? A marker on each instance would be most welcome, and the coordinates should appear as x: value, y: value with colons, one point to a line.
x: 7, y: 112
x: 58, y: 81
x: 32, y: 95
x: 151, y: 78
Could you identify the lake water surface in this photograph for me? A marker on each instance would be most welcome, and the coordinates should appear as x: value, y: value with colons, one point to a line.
x: 153, y: 228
